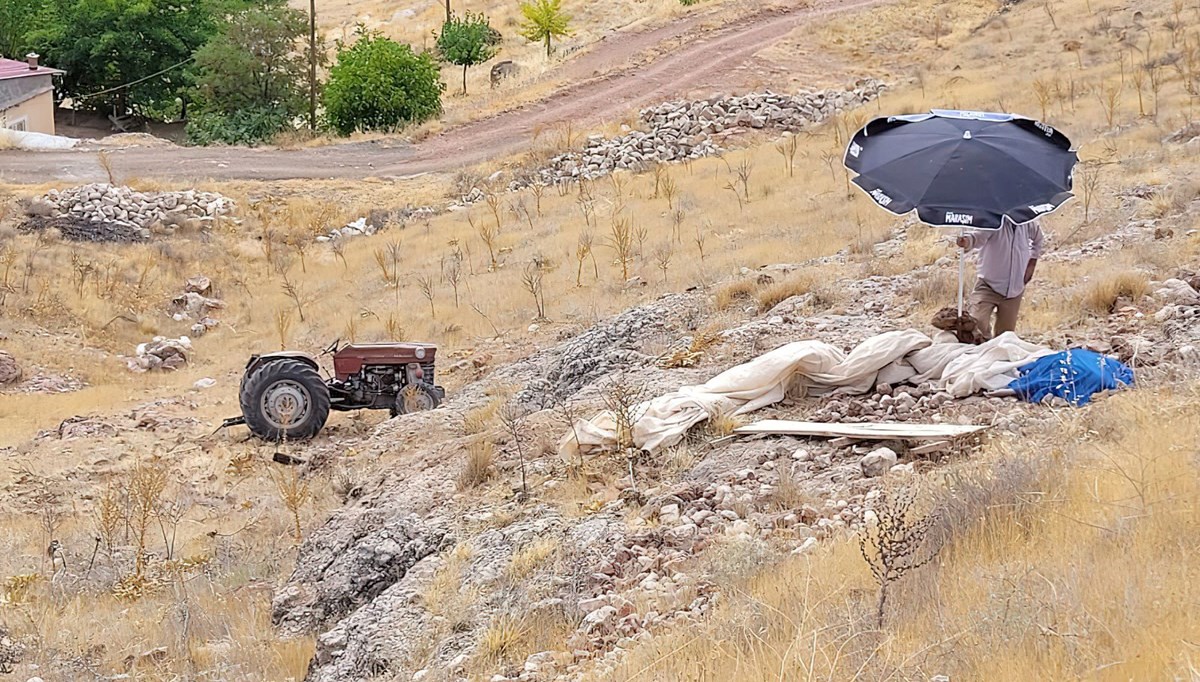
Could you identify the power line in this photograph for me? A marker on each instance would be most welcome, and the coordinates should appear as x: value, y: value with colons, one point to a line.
x: 140, y: 80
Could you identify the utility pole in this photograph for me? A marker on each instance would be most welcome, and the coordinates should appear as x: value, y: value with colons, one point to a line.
x: 312, y: 64
x: 447, y: 10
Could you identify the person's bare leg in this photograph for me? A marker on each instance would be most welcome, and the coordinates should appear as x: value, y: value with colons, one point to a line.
x: 1006, y: 314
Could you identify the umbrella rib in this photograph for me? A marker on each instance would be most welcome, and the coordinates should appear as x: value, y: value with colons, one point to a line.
x: 1009, y: 154
x: 921, y: 150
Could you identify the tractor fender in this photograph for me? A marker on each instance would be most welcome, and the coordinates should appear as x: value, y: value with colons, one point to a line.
x: 257, y: 361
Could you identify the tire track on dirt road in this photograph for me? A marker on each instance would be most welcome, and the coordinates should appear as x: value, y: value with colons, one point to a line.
x: 704, y: 59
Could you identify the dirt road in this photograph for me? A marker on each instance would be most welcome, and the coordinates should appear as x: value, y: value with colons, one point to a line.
x: 704, y: 59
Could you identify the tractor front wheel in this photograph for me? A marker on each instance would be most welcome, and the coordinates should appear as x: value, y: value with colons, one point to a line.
x: 416, y: 397
x: 284, y: 400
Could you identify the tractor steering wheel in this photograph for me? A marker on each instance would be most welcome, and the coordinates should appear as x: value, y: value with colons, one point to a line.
x: 333, y: 347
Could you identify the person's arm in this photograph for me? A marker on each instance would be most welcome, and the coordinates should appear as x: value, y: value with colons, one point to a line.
x: 1036, y: 242
x: 973, y: 239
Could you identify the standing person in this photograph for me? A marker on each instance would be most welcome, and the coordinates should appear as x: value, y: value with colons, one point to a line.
x: 1007, y: 259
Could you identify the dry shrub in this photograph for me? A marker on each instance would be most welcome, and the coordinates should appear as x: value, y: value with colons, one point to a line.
x: 722, y: 424
x: 936, y: 289
x: 502, y: 639
x: 527, y: 559
x: 445, y: 596
x: 796, y: 284
x: 788, y: 493
x: 1101, y: 295
x: 478, y: 467
x: 480, y: 419
x: 735, y: 292
x: 1174, y: 199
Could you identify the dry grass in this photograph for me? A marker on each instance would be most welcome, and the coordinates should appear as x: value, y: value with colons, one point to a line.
x: 1005, y: 602
x: 530, y: 558
x: 511, y: 638
x: 445, y: 596
x: 738, y: 291
x: 788, y: 493
x: 478, y: 466
x: 1101, y: 296
x: 936, y: 289
x: 795, y: 284
x: 722, y: 424
x: 1094, y: 578
x: 502, y: 639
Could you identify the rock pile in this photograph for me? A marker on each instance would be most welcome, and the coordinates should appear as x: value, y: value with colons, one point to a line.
x: 196, y: 304
x: 11, y: 651
x: 10, y: 371
x: 161, y: 353
x: 357, y: 228
x: 900, y: 403
x: 690, y: 129
x: 121, y: 205
x: 41, y: 381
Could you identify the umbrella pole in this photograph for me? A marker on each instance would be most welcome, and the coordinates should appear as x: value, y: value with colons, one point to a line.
x: 961, y: 269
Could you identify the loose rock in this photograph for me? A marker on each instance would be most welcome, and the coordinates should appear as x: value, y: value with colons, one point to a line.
x: 878, y: 462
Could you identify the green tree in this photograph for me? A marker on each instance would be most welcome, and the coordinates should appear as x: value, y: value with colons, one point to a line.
x: 103, y: 44
x: 544, y: 19
x: 18, y: 18
x: 251, y: 77
x: 256, y: 61
x: 467, y: 41
x: 379, y: 84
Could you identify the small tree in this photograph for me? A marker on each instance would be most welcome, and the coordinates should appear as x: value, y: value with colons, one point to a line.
x: 467, y: 41
x: 544, y: 19
x: 531, y: 279
x: 898, y: 542
x: 379, y: 84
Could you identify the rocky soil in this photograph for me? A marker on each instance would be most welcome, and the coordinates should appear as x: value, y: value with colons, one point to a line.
x: 636, y: 547
x: 680, y: 130
x: 412, y: 575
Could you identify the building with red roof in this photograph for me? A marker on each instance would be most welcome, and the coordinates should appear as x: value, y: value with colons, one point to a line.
x: 27, y: 95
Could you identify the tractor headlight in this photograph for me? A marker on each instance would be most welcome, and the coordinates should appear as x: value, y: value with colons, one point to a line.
x: 420, y: 353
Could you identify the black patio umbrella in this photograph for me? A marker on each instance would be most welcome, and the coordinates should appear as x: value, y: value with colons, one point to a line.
x: 964, y: 169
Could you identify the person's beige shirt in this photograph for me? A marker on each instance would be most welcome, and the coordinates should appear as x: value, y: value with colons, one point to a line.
x: 1004, y: 253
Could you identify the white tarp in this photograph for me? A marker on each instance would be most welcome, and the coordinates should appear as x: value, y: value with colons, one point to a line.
x: 21, y: 139
x: 813, y: 368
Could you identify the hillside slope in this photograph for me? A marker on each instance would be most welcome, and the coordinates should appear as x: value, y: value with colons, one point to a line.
x: 458, y: 543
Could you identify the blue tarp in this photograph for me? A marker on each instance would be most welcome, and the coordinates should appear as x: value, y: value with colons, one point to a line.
x: 1074, y: 375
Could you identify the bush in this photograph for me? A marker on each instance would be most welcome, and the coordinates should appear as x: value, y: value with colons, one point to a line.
x: 379, y: 84
x: 248, y: 127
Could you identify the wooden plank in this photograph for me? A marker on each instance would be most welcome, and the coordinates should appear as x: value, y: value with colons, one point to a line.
x: 865, y: 431
x: 843, y: 441
x: 936, y: 446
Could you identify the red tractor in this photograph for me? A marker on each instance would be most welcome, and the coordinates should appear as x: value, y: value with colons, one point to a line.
x: 283, y: 396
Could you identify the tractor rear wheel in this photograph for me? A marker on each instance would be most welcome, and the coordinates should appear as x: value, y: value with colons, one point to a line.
x: 416, y: 397
x: 284, y: 400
